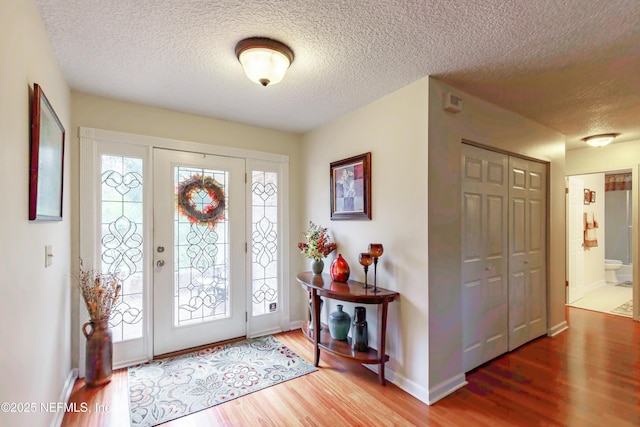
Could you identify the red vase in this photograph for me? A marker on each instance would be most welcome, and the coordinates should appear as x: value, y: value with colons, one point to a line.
x: 340, y: 270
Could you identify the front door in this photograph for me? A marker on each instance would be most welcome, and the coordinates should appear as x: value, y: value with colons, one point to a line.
x: 199, y: 250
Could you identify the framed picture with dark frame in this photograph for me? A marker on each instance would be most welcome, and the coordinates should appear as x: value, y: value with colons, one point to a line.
x: 46, y: 170
x: 592, y: 196
x: 351, y: 188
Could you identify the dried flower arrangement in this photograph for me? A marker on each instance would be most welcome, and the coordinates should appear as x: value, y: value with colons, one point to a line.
x: 318, y: 244
x: 100, y: 292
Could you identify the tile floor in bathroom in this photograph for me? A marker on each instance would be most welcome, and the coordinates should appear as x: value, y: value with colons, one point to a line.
x: 605, y: 298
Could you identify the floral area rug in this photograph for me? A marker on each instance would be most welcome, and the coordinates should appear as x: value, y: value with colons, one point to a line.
x: 625, y: 309
x: 166, y: 389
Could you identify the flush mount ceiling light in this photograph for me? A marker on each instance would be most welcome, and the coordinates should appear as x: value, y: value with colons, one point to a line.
x: 600, y: 140
x: 265, y: 61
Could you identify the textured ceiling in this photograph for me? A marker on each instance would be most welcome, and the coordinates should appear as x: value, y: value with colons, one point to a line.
x: 572, y: 65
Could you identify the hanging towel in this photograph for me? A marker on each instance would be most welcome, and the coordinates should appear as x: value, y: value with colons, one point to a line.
x: 590, y: 225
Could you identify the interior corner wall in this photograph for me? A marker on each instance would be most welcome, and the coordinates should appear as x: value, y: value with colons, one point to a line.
x: 108, y: 114
x: 34, y: 300
x: 394, y: 129
x: 483, y: 123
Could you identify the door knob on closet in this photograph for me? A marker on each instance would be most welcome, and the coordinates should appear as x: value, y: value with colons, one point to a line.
x: 160, y: 263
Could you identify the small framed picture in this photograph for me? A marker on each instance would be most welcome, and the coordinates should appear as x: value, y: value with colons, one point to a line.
x: 592, y: 197
x: 587, y: 196
x: 47, y: 160
x: 351, y: 188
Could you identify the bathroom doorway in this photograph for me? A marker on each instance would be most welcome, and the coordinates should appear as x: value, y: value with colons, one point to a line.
x: 599, y: 261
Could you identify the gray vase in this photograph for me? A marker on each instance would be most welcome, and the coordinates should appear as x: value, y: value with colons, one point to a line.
x: 317, y: 265
x: 339, y: 324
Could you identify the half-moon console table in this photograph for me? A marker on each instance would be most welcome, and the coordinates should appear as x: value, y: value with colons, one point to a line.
x: 351, y: 291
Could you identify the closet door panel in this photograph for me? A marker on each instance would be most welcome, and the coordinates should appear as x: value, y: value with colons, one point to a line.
x: 527, y: 251
x: 484, y: 255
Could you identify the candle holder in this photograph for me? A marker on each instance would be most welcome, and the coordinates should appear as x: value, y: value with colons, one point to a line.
x: 376, y: 250
x: 365, y: 260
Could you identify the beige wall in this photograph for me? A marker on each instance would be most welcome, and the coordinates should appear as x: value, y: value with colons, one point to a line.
x: 416, y: 215
x: 34, y: 301
x: 108, y: 114
x: 616, y: 156
x: 486, y: 124
x: 394, y: 130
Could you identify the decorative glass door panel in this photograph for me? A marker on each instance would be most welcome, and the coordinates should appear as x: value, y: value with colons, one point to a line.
x: 264, y: 242
x: 122, y: 220
x: 201, y: 247
x: 266, y: 294
x: 199, y: 254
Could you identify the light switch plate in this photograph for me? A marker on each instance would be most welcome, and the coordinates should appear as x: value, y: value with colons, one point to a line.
x: 48, y: 255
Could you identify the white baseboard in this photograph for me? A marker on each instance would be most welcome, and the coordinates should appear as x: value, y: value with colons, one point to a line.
x: 595, y: 285
x: 555, y: 330
x: 64, y: 396
x: 446, y: 387
x: 130, y: 362
x: 297, y: 324
x: 265, y: 332
x: 429, y: 397
x: 411, y: 387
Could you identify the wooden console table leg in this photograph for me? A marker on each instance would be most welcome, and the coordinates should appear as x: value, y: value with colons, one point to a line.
x: 382, y: 334
x: 315, y: 302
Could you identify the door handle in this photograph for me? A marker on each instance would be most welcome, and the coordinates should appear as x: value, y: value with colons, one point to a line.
x: 160, y: 263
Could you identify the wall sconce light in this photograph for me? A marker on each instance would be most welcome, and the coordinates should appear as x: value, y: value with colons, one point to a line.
x: 600, y: 140
x: 265, y: 61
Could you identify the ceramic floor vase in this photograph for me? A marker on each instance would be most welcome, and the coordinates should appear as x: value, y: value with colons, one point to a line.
x: 339, y: 324
x: 99, y: 354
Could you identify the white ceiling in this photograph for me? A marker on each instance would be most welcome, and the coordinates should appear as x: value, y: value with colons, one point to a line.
x: 572, y: 65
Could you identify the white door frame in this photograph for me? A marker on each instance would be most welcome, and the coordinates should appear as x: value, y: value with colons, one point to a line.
x: 635, y: 220
x: 89, y: 158
x: 574, y: 245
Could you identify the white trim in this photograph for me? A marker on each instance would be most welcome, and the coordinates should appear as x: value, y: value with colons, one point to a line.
x: 67, y: 389
x: 557, y: 329
x: 296, y: 324
x: 88, y: 196
x: 445, y: 388
x: 90, y: 141
x: 262, y: 333
x: 595, y: 285
x: 429, y: 397
x: 284, y: 246
x: 176, y: 144
x: 131, y: 362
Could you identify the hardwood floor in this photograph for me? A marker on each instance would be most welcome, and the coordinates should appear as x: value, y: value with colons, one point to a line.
x: 586, y: 376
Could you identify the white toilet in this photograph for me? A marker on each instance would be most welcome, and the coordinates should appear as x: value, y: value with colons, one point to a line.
x: 611, y: 266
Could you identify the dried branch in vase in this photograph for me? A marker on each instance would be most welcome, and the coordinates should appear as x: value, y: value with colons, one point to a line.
x: 100, y: 292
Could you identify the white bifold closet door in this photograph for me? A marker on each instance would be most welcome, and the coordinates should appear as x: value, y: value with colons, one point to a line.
x: 503, y: 253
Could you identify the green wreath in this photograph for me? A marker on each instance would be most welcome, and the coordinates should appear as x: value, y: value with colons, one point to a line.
x: 211, y: 214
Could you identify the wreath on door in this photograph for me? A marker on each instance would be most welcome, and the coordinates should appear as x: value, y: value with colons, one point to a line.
x: 210, y: 214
